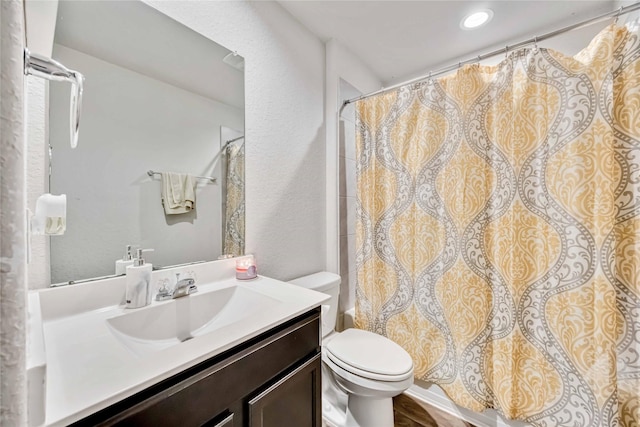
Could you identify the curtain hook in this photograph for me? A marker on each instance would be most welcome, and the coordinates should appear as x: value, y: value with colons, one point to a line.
x: 535, y: 44
x: 429, y: 78
x: 618, y: 16
x: 506, y: 51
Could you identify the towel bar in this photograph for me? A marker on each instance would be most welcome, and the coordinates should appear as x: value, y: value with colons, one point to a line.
x: 208, y: 178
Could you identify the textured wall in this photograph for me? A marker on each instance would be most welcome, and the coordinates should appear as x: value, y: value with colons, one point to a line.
x: 347, y: 191
x: 347, y: 77
x: 341, y: 64
x: 13, y: 394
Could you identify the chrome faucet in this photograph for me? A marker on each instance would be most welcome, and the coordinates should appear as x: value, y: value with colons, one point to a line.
x: 183, y: 288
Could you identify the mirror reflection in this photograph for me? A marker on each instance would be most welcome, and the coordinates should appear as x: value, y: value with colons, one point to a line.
x: 160, y: 159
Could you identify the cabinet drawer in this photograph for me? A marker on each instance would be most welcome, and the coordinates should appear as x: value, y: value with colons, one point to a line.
x: 200, y: 394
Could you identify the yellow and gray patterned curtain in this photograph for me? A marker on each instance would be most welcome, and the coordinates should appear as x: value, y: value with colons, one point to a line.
x: 234, y: 211
x: 498, y: 231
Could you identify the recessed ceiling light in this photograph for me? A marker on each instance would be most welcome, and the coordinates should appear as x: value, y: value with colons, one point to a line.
x: 476, y: 19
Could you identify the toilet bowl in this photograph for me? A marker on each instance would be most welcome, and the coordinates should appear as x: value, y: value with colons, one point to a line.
x: 362, y: 371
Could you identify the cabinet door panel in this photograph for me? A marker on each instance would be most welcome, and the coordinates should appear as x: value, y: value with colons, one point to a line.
x: 292, y: 401
x: 224, y: 421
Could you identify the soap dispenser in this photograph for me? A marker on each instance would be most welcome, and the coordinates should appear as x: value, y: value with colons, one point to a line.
x: 127, y: 260
x: 138, y: 291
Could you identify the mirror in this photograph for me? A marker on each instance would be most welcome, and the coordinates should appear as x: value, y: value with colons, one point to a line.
x: 158, y: 97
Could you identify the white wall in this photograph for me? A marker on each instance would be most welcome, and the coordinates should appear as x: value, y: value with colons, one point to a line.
x: 13, y: 274
x: 346, y: 77
x: 130, y: 124
x: 284, y: 128
x: 41, y: 20
x: 347, y: 197
x: 341, y: 64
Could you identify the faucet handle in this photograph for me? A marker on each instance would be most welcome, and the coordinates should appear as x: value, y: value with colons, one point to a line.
x: 164, y: 293
x: 163, y: 285
x: 192, y: 274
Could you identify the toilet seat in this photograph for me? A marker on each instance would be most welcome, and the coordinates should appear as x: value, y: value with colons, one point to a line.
x: 364, y: 385
x: 369, y: 355
x: 366, y: 374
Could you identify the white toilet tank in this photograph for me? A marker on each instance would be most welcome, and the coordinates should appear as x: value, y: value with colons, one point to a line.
x: 327, y: 283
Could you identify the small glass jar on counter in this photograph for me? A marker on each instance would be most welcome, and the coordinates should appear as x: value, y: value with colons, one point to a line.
x: 246, y: 267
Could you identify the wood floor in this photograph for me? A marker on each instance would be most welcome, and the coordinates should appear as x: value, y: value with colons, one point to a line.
x: 410, y: 413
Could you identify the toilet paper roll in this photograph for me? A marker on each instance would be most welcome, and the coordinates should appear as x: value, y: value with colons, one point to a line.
x: 50, y: 217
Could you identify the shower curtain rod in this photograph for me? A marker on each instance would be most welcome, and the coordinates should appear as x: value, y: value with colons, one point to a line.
x: 234, y: 139
x: 614, y: 13
x: 226, y: 143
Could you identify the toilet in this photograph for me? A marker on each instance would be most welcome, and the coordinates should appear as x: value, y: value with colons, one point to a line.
x: 361, y: 371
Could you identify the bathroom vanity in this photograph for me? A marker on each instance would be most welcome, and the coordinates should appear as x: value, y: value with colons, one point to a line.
x: 233, y: 354
x: 272, y: 380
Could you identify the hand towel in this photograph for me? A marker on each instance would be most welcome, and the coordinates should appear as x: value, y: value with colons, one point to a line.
x: 178, y: 194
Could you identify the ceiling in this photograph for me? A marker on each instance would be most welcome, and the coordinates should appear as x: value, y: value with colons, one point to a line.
x: 403, y: 39
x: 135, y: 36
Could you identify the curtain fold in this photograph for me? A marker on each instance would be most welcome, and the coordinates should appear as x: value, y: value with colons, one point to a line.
x: 234, y: 211
x: 13, y: 280
x: 498, y: 231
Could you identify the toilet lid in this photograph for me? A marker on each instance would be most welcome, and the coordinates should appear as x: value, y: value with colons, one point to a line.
x: 369, y: 352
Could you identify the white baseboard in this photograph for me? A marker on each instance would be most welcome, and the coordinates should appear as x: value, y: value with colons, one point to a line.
x: 433, y: 395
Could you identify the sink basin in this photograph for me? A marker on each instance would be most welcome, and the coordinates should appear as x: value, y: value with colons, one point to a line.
x: 164, y: 325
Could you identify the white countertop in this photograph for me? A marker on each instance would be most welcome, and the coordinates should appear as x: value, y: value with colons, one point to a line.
x: 88, y: 368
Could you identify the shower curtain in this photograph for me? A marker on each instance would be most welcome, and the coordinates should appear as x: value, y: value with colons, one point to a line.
x: 498, y: 231
x: 234, y: 211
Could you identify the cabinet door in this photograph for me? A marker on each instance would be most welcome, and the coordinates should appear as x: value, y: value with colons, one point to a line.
x: 224, y: 420
x: 292, y: 401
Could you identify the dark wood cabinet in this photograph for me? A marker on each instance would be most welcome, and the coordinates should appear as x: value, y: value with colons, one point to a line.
x: 272, y: 380
x: 287, y: 402
x: 223, y: 420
